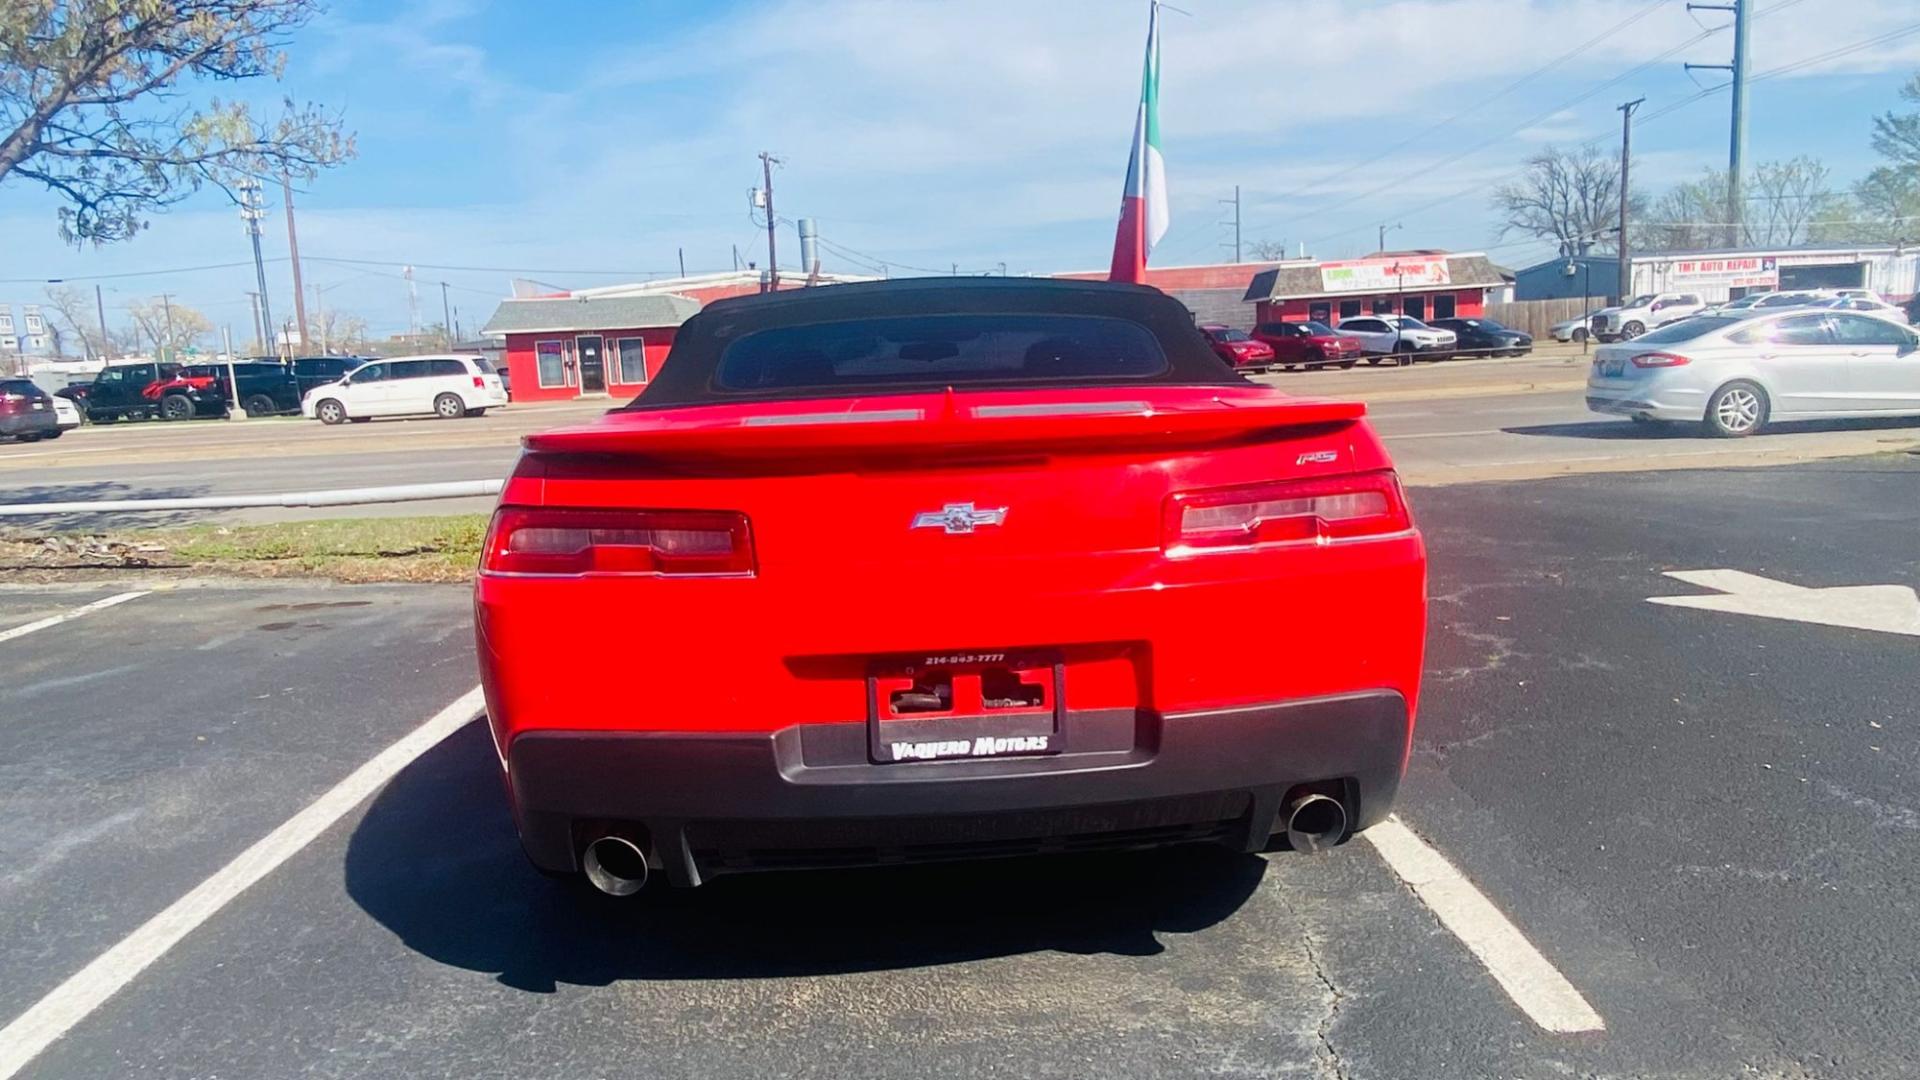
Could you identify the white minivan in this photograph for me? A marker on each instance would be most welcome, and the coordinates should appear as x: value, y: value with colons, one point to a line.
x: 446, y: 386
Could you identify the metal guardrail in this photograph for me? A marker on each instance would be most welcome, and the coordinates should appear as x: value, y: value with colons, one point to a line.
x: 454, y: 489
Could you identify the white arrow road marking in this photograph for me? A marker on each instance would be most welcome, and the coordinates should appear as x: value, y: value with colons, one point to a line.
x: 1891, y: 609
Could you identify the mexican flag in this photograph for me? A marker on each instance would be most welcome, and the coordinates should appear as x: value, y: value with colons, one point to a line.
x: 1143, y: 209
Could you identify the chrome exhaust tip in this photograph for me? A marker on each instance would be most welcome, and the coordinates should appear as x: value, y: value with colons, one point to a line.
x: 615, y: 865
x: 1315, y: 823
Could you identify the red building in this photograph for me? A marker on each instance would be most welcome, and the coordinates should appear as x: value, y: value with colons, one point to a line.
x: 612, y: 340
x: 1423, y: 284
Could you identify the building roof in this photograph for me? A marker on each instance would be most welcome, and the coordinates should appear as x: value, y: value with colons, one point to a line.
x: 1302, y: 279
x: 544, y: 314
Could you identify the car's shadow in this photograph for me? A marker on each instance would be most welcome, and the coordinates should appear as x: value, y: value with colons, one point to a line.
x: 1623, y: 428
x: 436, y: 861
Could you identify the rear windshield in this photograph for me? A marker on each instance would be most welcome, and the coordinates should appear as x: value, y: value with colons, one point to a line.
x: 939, y: 350
x: 1687, y: 329
x: 23, y: 387
x: 485, y: 366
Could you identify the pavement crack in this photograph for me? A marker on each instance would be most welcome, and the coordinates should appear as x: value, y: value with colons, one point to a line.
x: 1330, y: 1061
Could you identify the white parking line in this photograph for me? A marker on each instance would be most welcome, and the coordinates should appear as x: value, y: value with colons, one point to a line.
x: 1533, y: 983
x: 87, y: 989
x: 66, y: 616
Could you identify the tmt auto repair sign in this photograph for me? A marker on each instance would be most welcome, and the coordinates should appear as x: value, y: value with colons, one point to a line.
x: 1742, y: 272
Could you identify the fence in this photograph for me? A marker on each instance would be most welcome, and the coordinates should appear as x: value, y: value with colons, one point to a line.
x: 1537, y: 317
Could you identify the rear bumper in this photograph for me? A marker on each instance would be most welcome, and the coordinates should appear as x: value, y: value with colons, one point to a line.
x: 809, y: 796
x: 37, y: 422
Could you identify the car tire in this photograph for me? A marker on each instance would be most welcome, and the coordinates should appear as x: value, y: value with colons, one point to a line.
x: 177, y: 407
x: 35, y: 437
x: 1632, y: 330
x: 1579, y: 335
x: 449, y: 407
x: 259, y: 405
x: 1374, y: 361
x: 330, y: 411
x: 1737, y: 410
x: 1347, y: 365
x: 1315, y: 359
x: 54, y: 434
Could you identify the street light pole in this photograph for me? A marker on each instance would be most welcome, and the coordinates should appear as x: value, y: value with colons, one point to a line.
x: 166, y: 303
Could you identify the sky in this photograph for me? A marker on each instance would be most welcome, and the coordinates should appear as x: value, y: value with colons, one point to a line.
x: 583, y: 144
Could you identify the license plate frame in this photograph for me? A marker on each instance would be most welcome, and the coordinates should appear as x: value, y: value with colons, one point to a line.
x: 1012, y: 733
x: 1613, y: 367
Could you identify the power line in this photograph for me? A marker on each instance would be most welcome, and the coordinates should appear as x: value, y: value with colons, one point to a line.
x: 1484, y: 102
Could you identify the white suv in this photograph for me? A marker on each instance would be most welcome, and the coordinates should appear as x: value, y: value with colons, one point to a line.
x: 446, y: 386
x: 1643, y: 313
x: 1384, y: 335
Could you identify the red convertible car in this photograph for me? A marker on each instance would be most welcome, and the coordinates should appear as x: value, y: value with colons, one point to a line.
x: 937, y: 569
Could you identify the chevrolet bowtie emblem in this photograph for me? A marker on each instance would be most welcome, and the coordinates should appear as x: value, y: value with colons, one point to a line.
x: 958, y: 518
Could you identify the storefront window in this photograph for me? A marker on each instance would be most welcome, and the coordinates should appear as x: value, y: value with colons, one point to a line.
x: 633, y: 360
x: 1443, y: 306
x: 553, y: 368
x: 1383, y: 305
x: 1349, y: 308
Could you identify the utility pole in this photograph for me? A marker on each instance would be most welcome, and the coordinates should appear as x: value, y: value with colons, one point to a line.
x: 252, y: 210
x: 736, y: 258
x: 1236, y: 220
x: 446, y: 315
x: 683, y: 261
x: 1384, y: 230
x: 1737, y: 137
x: 767, y: 162
x: 293, y: 253
x: 1626, y: 163
x: 166, y: 304
x: 259, y: 326
x: 106, y: 342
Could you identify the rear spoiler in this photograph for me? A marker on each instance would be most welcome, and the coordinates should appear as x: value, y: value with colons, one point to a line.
x: 986, y: 420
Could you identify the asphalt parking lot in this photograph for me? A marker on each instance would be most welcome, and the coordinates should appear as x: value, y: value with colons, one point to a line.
x: 1704, y: 821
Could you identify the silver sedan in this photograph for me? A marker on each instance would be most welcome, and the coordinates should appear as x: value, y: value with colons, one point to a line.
x: 1736, y: 373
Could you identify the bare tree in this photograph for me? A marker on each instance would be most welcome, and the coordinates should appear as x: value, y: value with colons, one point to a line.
x: 74, y: 309
x: 339, y: 331
x: 1787, y: 203
x: 1268, y: 250
x: 1570, y: 197
x: 90, y: 104
x: 169, y: 327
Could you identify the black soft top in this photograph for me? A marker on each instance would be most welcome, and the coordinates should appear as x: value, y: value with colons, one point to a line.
x: 689, y: 375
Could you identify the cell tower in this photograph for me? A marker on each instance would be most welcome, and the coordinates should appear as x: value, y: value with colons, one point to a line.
x: 413, y: 303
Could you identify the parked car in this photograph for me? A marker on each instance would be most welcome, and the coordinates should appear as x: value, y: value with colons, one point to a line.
x: 1486, y: 337
x: 26, y: 411
x: 1574, y: 329
x: 1865, y: 305
x: 447, y: 386
x: 1309, y: 344
x: 1643, y: 313
x: 66, y: 414
x: 312, y: 371
x: 267, y: 388
x: 1737, y: 373
x: 1044, y: 699
x: 1238, y: 348
x: 1403, y: 335
x: 119, y: 391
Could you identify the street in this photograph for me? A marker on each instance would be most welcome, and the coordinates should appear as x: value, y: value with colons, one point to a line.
x: 1456, y: 422
x: 1702, y: 819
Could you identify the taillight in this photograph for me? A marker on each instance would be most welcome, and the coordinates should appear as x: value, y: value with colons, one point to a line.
x: 1314, y: 511
x: 563, y: 541
x: 479, y: 383
x: 1660, y: 359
